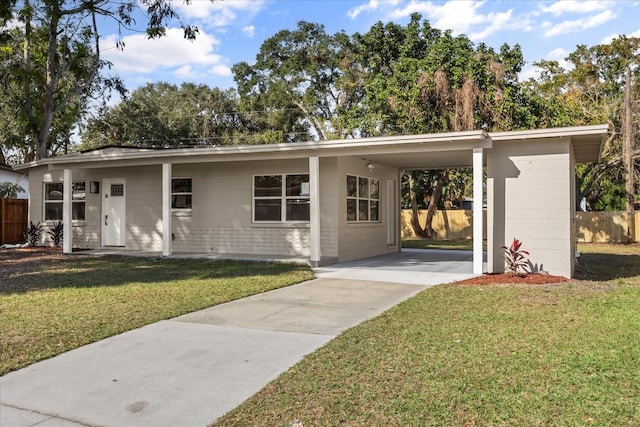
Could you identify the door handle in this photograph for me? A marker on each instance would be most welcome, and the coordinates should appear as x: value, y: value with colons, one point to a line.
x: 106, y: 217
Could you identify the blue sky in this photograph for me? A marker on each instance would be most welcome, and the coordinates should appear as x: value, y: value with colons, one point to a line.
x: 233, y: 30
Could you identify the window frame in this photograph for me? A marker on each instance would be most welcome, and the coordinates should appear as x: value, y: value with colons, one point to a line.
x: 283, y: 198
x: 358, y: 199
x: 182, y: 193
x: 80, y: 199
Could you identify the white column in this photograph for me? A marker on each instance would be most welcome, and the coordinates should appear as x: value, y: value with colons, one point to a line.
x: 314, y: 208
x: 67, y: 212
x: 477, y: 210
x: 166, y: 209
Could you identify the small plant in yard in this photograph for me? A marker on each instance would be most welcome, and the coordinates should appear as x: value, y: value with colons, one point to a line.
x: 56, y: 232
x: 32, y: 234
x: 515, y: 258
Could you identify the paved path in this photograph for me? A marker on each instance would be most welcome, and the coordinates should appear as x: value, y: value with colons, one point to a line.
x: 190, y: 370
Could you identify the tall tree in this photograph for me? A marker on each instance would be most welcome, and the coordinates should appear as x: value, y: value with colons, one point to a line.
x: 419, y: 79
x: 70, y: 57
x: 298, y: 73
x: 592, y: 91
x: 165, y: 115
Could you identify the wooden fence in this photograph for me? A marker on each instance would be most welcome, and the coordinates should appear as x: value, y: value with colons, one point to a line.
x: 606, y: 227
x: 14, y: 214
x: 591, y: 227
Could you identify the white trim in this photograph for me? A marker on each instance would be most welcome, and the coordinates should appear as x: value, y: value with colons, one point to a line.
x: 45, y: 202
x: 282, y: 197
x: 67, y: 211
x: 178, y: 211
x: 166, y: 209
x: 477, y: 210
x: 357, y: 198
x: 314, y: 209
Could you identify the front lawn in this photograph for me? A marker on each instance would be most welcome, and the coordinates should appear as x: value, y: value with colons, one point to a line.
x: 53, y: 303
x: 455, y: 355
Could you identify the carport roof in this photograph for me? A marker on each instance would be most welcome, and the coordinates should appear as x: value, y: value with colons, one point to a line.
x: 451, y: 149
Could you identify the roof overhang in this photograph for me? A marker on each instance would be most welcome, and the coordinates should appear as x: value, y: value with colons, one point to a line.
x: 393, y: 149
x: 587, y: 141
x: 439, y: 150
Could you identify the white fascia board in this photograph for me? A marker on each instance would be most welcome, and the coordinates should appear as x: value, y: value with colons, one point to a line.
x: 595, y: 130
x: 324, y: 148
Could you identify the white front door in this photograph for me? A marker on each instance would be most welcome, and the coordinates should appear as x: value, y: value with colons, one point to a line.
x: 113, y: 212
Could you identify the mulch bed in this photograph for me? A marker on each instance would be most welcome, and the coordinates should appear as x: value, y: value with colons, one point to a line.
x: 510, y: 278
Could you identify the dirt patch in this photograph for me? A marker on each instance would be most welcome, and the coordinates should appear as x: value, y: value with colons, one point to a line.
x: 22, y: 260
x: 509, y: 278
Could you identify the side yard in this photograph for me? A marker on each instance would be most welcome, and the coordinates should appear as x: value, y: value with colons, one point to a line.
x: 462, y: 355
x: 50, y: 303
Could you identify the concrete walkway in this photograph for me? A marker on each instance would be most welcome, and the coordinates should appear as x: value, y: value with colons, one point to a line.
x: 190, y: 370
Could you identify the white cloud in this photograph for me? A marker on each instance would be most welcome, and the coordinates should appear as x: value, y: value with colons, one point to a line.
x: 221, y: 70
x: 144, y: 55
x: 580, y: 24
x: 249, y: 30
x: 459, y: 16
x: 574, y: 6
x: 557, y: 53
x: 217, y: 13
x: 370, y: 6
x: 184, y: 72
x: 530, y: 72
x: 610, y: 37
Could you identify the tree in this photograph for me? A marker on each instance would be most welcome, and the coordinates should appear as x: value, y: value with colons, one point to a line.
x: 299, y: 74
x: 600, y: 87
x: 59, y: 63
x: 9, y: 190
x: 165, y: 115
x: 419, y: 79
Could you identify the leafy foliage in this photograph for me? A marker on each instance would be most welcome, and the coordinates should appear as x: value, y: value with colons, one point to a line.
x: 163, y: 115
x: 33, y: 233
x: 9, y: 190
x: 516, y: 258
x: 56, y: 233
x: 51, y: 65
x: 590, y: 91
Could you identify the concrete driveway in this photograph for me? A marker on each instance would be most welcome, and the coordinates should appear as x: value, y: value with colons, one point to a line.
x: 190, y: 370
x: 410, y: 266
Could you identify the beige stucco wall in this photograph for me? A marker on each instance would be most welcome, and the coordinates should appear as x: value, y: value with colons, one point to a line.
x: 361, y: 240
x: 529, y: 197
x: 221, y: 218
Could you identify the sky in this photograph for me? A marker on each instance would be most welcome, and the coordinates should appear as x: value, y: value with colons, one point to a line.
x: 232, y: 31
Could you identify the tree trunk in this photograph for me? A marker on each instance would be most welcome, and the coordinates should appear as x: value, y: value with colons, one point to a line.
x: 50, y: 85
x: 415, y: 223
x: 433, y: 204
x: 627, y: 152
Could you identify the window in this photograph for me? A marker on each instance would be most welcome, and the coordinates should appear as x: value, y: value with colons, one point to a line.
x: 181, y: 193
x: 363, y: 199
x: 53, y: 201
x: 280, y: 198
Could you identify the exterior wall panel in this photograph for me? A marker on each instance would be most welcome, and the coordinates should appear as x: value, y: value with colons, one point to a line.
x: 361, y: 240
x: 530, y: 198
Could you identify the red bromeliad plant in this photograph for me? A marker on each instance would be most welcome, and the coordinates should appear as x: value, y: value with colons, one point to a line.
x: 515, y: 258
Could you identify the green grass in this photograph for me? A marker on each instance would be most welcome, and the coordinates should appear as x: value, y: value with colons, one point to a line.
x: 47, y: 309
x: 454, y: 355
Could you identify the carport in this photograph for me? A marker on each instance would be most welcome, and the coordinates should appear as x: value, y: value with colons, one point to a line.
x: 409, y: 266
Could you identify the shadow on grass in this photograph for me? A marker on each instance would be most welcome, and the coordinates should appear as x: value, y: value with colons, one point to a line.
x: 86, y: 272
x: 603, y: 266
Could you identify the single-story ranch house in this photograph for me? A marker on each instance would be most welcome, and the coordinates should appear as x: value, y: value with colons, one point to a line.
x: 327, y: 201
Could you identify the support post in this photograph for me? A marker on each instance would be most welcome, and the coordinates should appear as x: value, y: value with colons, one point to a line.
x: 477, y: 210
x: 166, y: 209
x: 314, y: 210
x: 67, y: 211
